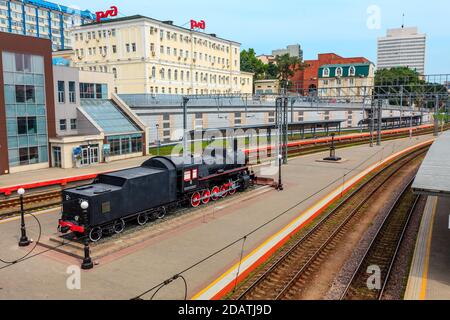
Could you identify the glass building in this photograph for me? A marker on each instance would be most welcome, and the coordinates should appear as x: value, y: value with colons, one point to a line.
x: 123, y: 136
x: 25, y: 108
x: 42, y: 19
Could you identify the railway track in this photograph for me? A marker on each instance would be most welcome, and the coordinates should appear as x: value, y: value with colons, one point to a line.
x: 383, y: 251
x: 286, y: 275
x: 32, y: 202
x: 295, y: 150
x: 49, y: 199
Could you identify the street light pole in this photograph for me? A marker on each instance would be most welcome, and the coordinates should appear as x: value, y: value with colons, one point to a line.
x: 24, y: 241
x: 185, y: 134
x: 280, y: 164
x: 87, y: 261
x: 157, y: 138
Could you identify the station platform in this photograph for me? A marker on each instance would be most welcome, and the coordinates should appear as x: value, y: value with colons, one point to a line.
x: 308, y: 187
x: 429, y: 277
x: 55, y: 176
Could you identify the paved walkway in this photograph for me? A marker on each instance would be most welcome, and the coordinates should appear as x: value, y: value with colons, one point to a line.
x: 429, y: 277
x: 135, y: 270
x: 20, y: 178
x: 50, y: 174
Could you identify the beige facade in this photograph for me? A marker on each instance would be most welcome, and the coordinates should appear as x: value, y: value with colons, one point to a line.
x: 267, y: 86
x: 151, y: 56
x: 266, y: 59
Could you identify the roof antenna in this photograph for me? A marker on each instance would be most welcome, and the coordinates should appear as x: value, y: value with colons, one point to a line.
x: 403, y: 21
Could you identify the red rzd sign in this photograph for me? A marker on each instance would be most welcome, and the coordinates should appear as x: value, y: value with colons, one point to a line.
x: 108, y: 13
x: 198, y: 25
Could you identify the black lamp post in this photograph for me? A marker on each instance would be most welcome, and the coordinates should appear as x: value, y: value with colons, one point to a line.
x: 333, y: 156
x: 157, y: 138
x: 24, y: 242
x: 280, y: 164
x: 87, y: 261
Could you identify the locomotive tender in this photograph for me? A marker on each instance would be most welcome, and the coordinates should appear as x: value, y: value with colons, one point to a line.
x: 151, y: 190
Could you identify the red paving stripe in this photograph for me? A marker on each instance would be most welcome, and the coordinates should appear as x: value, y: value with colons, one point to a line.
x: 64, y: 181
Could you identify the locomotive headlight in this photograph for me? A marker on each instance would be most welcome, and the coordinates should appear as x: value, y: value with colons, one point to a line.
x: 77, y: 218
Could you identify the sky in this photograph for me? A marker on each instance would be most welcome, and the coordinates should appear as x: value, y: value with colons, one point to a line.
x: 346, y: 27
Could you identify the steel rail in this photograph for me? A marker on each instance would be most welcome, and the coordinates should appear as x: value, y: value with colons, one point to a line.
x: 280, y: 260
x: 377, y: 236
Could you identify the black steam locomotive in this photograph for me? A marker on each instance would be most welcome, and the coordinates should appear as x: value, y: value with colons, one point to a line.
x: 152, y: 190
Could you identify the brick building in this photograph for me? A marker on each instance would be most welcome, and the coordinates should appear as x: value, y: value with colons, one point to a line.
x: 307, y: 81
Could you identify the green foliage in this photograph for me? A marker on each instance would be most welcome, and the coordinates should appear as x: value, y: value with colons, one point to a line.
x: 271, y: 71
x: 287, y: 67
x: 249, y: 63
x: 408, y: 87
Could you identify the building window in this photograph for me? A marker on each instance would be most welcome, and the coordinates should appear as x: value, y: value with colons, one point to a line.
x: 28, y: 155
x: 128, y: 47
x: 121, y: 145
x: 114, y: 70
x: 61, y: 92
x: 93, y: 91
x: 114, y: 49
x: 27, y: 126
x: 133, y: 46
x: 339, y: 72
x: 326, y: 72
x: 73, y: 124
x: 352, y: 71
x: 63, y: 125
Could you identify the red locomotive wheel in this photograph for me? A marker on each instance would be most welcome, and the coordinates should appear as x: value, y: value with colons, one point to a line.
x: 232, y: 190
x: 215, y: 193
x: 196, y: 200
x: 224, y: 190
x: 206, y: 196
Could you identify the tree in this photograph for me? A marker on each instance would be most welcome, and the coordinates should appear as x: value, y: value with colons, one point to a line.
x: 404, y: 84
x: 250, y: 63
x: 287, y: 67
x: 271, y: 71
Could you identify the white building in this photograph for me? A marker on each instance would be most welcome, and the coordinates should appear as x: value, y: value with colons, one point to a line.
x: 293, y: 50
x: 42, y: 19
x: 403, y: 47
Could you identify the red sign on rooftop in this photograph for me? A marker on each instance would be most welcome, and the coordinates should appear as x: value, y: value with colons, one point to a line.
x: 198, y: 25
x: 108, y: 13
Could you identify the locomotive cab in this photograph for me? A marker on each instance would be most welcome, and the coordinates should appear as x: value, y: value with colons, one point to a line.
x: 190, y: 179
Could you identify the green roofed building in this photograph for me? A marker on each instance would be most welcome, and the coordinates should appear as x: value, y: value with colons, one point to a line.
x: 350, y: 82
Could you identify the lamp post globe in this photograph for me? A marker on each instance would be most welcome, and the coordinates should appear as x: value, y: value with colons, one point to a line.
x: 84, y: 205
x: 87, y: 261
x: 24, y: 241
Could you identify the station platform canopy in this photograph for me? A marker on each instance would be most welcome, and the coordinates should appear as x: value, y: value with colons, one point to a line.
x: 108, y: 117
x: 297, y: 126
x: 433, y: 178
x: 394, y: 120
